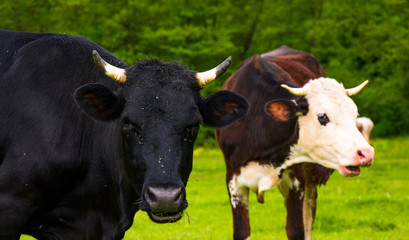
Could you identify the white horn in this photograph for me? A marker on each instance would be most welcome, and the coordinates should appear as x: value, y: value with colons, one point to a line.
x: 295, y: 91
x: 355, y: 90
x: 118, y: 74
x: 204, y: 78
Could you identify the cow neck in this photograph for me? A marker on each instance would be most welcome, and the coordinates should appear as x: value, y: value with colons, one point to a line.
x: 115, y: 170
x: 278, y: 155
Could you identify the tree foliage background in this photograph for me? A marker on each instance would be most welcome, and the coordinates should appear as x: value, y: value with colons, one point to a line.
x: 354, y: 40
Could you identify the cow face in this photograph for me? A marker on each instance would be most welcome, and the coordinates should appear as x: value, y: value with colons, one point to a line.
x: 327, y: 129
x: 157, y: 113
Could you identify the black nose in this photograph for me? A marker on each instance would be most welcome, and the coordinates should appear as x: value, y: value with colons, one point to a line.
x: 164, y: 199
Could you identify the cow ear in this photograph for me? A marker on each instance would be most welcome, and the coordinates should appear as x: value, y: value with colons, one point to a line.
x: 98, y: 101
x: 281, y: 110
x: 223, y: 108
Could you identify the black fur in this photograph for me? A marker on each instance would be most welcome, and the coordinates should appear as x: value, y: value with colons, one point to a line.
x: 66, y: 174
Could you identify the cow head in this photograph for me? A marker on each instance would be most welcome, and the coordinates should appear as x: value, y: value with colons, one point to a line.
x: 157, y: 111
x: 327, y: 126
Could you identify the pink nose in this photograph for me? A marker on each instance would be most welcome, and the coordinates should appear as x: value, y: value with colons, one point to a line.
x: 365, y: 156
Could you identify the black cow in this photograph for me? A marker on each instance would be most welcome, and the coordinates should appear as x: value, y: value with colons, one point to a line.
x: 312, y: 122
x: 72, y: 174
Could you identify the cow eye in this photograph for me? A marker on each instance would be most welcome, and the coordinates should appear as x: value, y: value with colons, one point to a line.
x: 323, y: 119
x: 192, y: 130
x: 190, y: 133
x: 126, y: 121
x: 128, y: 126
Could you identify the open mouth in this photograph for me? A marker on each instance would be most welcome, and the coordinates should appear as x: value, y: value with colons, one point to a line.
x: 167, y: 217
x: 350, y: 170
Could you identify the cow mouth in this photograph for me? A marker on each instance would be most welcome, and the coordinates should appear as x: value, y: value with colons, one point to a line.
x: 349, y: 171
x: 165, y: 217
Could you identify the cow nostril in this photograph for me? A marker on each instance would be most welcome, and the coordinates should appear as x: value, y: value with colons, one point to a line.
x: 164, y: 199
x: 364, y: 156
x: 361, y: 154
x: 150, y: 196
x: 179, y: 198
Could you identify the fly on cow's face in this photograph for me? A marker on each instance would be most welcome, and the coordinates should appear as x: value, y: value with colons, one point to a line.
x: 323, y: 119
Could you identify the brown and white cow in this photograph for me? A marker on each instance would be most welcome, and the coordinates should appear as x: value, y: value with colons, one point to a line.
x: 292, y: 119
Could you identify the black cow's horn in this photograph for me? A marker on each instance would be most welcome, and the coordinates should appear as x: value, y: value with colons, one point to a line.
x: 204, y: 78
x: 357, y: 89
x: 118, y: 74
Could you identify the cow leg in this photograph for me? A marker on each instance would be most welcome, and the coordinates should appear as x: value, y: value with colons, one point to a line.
x: 309, y: 207
x: 239, y: 196
x: 292, y: 189
x: 16, y: 201
x: 12, y: 217
x: 315, y: 175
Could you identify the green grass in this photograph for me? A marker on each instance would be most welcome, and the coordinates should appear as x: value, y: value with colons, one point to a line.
x: 374, y: 205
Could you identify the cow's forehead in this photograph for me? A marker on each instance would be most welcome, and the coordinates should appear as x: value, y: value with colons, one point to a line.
x: 325, y: 86
x: 160, y: 90
x: 326, y: 94
x: 170, y: 105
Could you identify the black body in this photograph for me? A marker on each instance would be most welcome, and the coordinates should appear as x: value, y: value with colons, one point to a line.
x: 80, y: 153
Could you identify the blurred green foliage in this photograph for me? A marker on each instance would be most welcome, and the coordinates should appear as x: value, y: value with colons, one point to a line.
x: 354, y: 40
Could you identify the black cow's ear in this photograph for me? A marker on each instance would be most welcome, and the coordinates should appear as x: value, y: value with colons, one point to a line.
x: 223, y: 108
x: 281, y: 110
x: 98, y: 101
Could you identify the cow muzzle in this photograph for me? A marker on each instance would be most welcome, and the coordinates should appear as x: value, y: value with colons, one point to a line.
x: 363, y: 157
x: 165, y: 205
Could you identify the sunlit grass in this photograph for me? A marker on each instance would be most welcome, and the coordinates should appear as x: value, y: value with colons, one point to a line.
x: 374, y: 205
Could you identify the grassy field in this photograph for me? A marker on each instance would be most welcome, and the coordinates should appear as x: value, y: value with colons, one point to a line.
x: 374, y: 205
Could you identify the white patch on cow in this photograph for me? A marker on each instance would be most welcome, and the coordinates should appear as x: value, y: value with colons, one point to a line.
x: 296, y: 184
x: 288, y: 183
x: 233, y: 189
x: 238, y: 193
x: 258, y: 178
x: 336, y: 143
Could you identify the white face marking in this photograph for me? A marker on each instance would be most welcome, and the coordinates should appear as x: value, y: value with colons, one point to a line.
x: 335, y: 143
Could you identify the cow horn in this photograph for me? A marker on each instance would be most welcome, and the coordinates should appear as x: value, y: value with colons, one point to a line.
x: 355, y: 90
x: 118, y: 74
x: 209, y: 76
x: 295, y: 91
